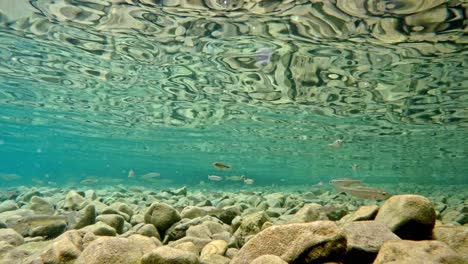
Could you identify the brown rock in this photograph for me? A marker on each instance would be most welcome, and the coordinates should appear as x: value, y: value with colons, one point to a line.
x: 363, y: 213
x: 409, y: 216
x: 111, y: 250
x: 215, y: 247
x: 299, y: 243
x: 456, y: 237
x: 417, y: 252
x: 269, y: 259
x: 11, y: 236
x: 65, y: 248
x: 169, y: 255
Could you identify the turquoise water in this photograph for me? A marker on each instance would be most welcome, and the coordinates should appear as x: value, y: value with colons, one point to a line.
x: 94, y: 89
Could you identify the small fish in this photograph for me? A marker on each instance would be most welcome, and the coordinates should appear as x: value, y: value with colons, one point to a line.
x: 221, y: 166
x: 215, y: 178
x: 131, y: 173
x: 318, y: 185
x: 355, y: 167
x: 366, y: 192
x: 337, y: 183
x: 88, y: 181
x: 37, y: 181
x: 235, y: 178
x: 9, y: 176
x: 151, y: 175
x: 249, y: 181
x: 338, y: 143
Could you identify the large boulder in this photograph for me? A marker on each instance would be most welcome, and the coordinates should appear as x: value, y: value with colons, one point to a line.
x: 162, y: 216
x: 296, y: 243
x: 365, y: 239
x: 110, y: 250
x: 409, y: 216
x: 417, y: 252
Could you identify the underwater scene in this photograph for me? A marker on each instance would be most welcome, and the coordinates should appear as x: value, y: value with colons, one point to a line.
x: 233, y: 131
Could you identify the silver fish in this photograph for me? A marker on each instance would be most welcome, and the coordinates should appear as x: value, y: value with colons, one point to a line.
x: 366, y: 192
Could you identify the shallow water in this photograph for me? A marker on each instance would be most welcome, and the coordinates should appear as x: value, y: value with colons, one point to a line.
x: 91, y: 89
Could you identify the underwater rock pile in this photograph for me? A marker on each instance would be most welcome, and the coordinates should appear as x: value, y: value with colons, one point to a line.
x: 119, y: 225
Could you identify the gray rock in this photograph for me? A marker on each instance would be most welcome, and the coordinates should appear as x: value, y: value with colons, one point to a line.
x: 229, y: 213
x: 123, y: 207
x: 51, y: 230
x: 192, y: 212
x: 11, y: 236
x: 110, y: 250
x: 90, y: 195
x: 199, y: 243
x: 250, y: 225
x: 100, y: 229
x: 147, y: 230
x: 74, y: 201
x: 365, y: 239
x: 454, y: 236
x: 268, y: 259
x: 114, y: 220
x: 169, y: 255
x: 88, y: 217
x: 296, y: 243
x: 8, y: 205
x: 231, y: 252
x: 408, y: 216
x: 424, y: 252
x: 41, y: 206
x: 162, y: 216
x: 363, y: 213
x: 308, y: 213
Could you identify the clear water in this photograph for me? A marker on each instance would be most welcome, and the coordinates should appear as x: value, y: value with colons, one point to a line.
x: 93, y: 88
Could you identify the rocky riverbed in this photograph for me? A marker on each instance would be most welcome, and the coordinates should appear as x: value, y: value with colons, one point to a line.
x: 259, y: 225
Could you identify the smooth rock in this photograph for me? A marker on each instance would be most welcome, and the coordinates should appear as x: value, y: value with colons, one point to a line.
x: 363, y: 213
x: 114, y: 220
x: 169, y: 255
x: 100, y: 229
x: 162, y: 216
x: 456, y: 237
x: 64, y: 249
x: 88, y: 217
x: 215, y: 247
x: 409, y: 216
x: 188, y: 246
x: 365, y: 239
x: 296, y: 243
x: 215, y: 259
x: 111, y: 250
x: 192, y: 212
x: 308, y: 213
x: 123, y: 207
x: 10, y: 236
x: 417, y: 252
x: 148, y: 230
x: 74, y: 201
x: 41, y: 206
x: 268, y: 259
x: 8, y: 205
